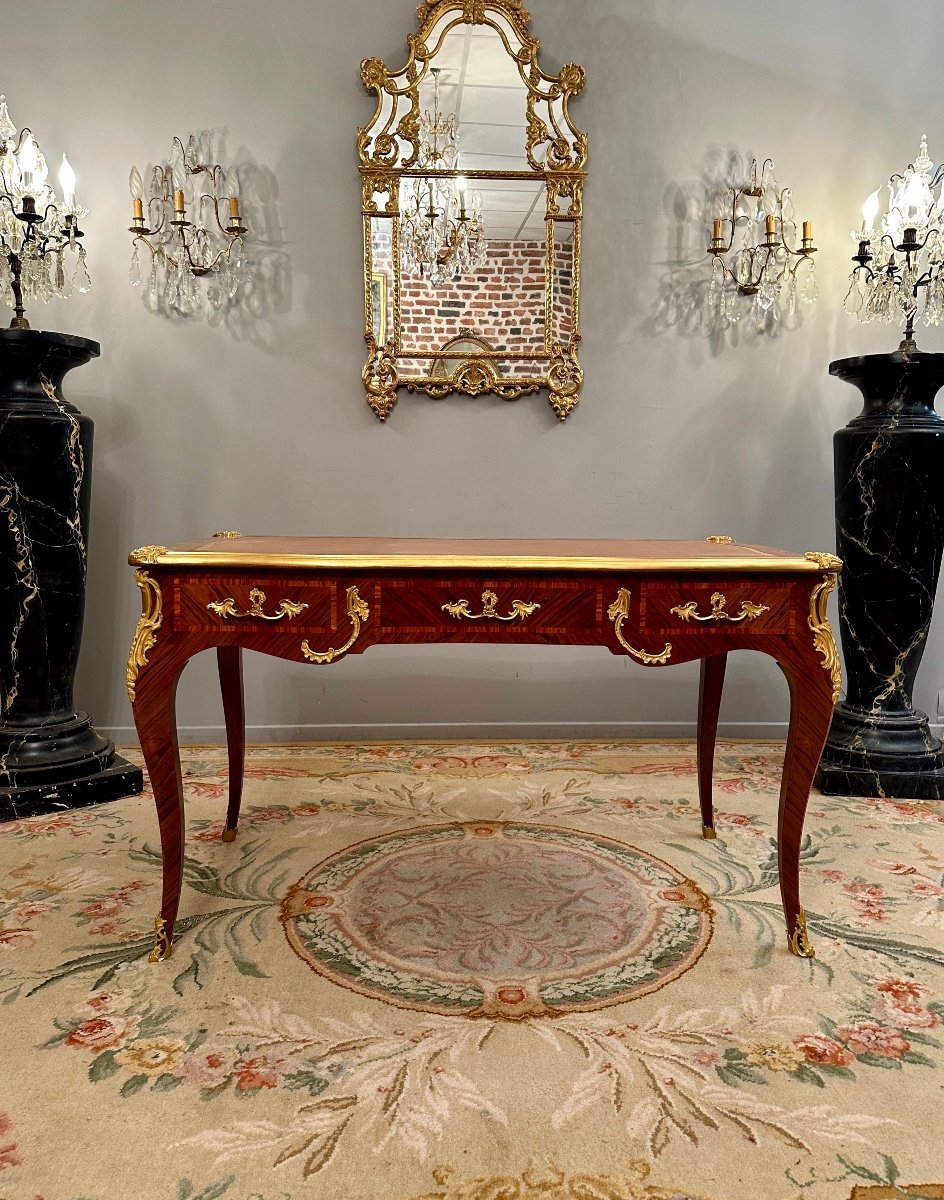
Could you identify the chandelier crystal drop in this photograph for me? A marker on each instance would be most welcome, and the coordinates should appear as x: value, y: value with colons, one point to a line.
x: 182, y: 249
x: 754, y: 253
x: 442, y: 232
x: 902, y: 252
x: 37, y: 229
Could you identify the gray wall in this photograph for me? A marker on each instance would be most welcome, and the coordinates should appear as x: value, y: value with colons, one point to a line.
x: 260, y: 424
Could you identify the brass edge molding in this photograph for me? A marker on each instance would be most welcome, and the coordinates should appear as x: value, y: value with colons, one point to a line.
x: 145, y: 635
x: 825, y: 561
x: 748, y: 611
x: 720, y: 538
x: 227, y: 608
x: 519, y: 609
x: 357, y: 611
x: 145, y: 555
x: 618, y: 612
x: 823, y: 640
x: 241, y: 560
x: 799, y: 940
x: 162, y: 947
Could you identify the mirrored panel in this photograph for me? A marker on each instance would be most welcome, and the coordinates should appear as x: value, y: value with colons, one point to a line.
x: 472, y: 176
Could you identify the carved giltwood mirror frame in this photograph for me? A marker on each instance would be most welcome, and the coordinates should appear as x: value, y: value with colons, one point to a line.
x: 517, y: 312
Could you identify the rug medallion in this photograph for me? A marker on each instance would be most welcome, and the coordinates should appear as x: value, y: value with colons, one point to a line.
x: 496, y: 919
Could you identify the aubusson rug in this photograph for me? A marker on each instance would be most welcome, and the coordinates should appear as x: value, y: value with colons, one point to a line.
x: 474, y: 972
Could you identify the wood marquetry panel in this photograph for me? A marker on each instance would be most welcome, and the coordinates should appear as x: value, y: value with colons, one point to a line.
x: 260, y: 604
x: 492, y: 607
x: 750, y: 607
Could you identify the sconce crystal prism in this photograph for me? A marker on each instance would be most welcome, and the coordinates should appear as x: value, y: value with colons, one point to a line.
x: 903, y: 253
x: 36, y: 228
x: 754, y: 252
x: 209, y: 242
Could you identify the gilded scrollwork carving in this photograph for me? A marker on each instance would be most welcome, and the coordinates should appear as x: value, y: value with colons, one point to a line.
x: 555, y: 152
x: 564, y: 380
x: 357, y: 611
x: 823, y: 641
x: 618, y: 612
x: 145, y: 635
x: 520, y: 609
x: 162, y: 949
x: 381, y: 379
x: 749, y: 611
x: 799, y: 940
x: 145, y: 555
x: 286, y: 609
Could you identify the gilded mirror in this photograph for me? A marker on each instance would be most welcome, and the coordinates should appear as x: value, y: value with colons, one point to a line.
x: 472, y: 183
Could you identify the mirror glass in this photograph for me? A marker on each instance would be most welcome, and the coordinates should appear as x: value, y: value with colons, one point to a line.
x: 472, y: 176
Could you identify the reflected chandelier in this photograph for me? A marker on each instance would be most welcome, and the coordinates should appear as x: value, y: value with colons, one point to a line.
x: 903, y: 253
x: 442, y: 232
x: 186, y: 250
x: 36, y: 229
x: 754, y: 253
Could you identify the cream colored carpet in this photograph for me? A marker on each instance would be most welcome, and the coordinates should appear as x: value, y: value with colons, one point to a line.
x: 474, y: 972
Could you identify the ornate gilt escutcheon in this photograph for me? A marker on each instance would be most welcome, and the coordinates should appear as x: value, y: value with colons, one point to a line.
x: 799, y: 940
x: 618, y: 612
x: 721, y: 539
x: 227, y: 608
x: 747, y: 612
x: 162, y: 946
x: 148, y: 624
x: 823, y: 640
x: 357, y: 611
x: 519, y: 609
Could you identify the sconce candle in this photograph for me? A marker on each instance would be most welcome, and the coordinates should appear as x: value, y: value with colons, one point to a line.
x: 188, y: 250
x: 36, y: 229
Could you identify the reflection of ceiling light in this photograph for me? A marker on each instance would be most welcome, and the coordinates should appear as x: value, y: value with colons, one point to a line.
x: 439, y: 135
x: 903, y: 253
x: 442, y: 232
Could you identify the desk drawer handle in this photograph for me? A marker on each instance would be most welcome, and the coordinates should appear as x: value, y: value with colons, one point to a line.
x: 357, y: 611
x: 618, y: 612
x: 227, y: 608
x: 519, y: 608
x: 747, y: 612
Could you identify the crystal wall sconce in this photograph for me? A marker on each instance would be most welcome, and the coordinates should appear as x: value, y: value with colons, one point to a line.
x: 36, y: 228
x: 903, y: 253
x: 754, y: 252
x: 187, y: 202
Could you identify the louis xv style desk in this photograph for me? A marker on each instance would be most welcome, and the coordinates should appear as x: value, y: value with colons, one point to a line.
x: 315, y: 600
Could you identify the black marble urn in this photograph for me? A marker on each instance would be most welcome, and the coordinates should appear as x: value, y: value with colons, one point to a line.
x: 50, y: 756
x: 889, y: 463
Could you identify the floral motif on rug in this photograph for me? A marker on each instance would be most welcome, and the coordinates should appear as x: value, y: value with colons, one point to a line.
x: 494, y: 919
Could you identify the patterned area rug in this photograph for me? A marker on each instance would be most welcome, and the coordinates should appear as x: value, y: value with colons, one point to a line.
x: 474, y: 972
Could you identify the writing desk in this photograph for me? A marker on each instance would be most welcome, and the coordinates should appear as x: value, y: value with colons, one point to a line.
x: 317, y: 600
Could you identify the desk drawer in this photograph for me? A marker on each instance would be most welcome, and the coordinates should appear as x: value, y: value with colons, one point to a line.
x: 431, y: 606
x: 696, y: 607
x: 272, y: 605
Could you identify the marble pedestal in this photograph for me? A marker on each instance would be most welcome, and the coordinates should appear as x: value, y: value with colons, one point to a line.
x: 889, y: 463
x: 51, y: 757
